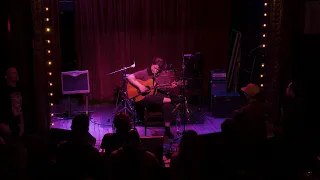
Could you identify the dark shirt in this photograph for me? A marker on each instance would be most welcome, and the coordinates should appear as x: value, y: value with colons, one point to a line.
x: 251, y: 119
x: 144, y: 74
x: 78, y: 160
x: 133, y: 163
x: 111, y: 142
x: 294, y: 117
x: 12, y: 105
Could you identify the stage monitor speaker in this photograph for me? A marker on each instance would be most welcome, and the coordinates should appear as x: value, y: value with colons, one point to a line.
x: 75, y: 82
x: 154, y: 144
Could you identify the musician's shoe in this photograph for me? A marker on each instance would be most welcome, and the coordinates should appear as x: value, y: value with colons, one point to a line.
x: 168, y: 133
x: 177, y: 99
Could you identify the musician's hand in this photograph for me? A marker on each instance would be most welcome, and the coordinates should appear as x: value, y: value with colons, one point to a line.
x: 143, y: 89
x: 173, y: 84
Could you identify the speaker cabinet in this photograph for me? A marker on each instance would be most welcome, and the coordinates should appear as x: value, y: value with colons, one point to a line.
x: 223, y: 105
x: 154, y: 144
x: 75, y: 82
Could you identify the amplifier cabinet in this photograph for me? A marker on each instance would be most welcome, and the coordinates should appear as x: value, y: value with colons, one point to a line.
x: 75, y: 82
x: 223, y: 105
x: 218, y: 88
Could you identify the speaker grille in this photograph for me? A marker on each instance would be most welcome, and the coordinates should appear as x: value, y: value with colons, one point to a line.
x: 75, y: 82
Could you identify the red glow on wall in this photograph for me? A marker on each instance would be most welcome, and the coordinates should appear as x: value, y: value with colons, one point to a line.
x: 9, y: 27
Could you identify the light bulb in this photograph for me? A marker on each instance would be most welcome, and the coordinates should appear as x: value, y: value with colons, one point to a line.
x: 48, y: 51
x: 50, y: 73
x: 265, y: 4
x: 51, y: 94
x: 265, y: 14
x: 50, y: 84
x: 49, y: 62
x: 48, y: 29
x: 264, y: 35
x: 51, y: 104
x: 264, y: 25
x: 48, y: 41
x: 46, y: 19
x: 263, y: 45
x: 261, y: 75
x: 47, y: 9
x: 52, y: 114
x: 261, y: 85
x: 262, y: 65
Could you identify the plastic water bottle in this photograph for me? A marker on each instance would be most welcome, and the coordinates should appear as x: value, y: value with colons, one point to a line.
x: 178, y: 123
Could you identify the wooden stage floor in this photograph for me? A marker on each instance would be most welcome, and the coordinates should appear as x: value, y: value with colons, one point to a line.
x: 102, y: 116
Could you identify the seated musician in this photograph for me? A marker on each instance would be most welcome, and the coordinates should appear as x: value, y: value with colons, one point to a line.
x: 167, y: 103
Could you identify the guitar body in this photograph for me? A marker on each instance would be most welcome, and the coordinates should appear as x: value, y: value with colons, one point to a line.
x: 133, y: 92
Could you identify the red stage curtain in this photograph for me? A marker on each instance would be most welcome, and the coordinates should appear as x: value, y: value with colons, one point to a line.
x: 111, y: 33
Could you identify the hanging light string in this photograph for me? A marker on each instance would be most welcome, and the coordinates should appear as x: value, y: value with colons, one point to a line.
x: 264, y: 38
x: 48, y: 52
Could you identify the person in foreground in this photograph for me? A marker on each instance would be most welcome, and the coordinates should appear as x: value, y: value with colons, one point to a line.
x: 132, y: 160
x: 11, y: 122
x: 167, y: 103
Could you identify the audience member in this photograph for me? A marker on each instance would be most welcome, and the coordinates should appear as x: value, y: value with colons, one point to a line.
x: 132, y: 161
x: 293, y: 120
x: 113, y: 141
x: 186, y: 164
x: 77, y: 157
x: 11, y: 122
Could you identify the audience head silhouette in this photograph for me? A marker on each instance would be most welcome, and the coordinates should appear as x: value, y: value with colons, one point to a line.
x: 122, y: 122
x: 189, y: 140
x: 12, y: 75
x: 252, y: 91
x: 132, y: 138
x: 80, y: 124
x: 294, y: 89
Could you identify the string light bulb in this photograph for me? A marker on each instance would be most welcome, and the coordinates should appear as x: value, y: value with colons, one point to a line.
x: 264, y: 35
x: 261, y: 75
x: 262, y: 65
x: 265, y: 14
x: 48, y: 51
x: 264, y: 25
x: 265, y: 4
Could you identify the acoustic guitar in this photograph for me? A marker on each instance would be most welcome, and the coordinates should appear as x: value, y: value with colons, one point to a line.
x: 133, y: 92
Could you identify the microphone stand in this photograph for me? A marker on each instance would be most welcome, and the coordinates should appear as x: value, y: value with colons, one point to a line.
x: 182, y: 90
x: 127, y: 104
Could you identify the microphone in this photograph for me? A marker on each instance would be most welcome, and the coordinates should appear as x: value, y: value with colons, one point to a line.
x: 133, y: 65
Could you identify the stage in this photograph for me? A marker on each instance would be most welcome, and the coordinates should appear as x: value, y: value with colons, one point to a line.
x: 102, y: 115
